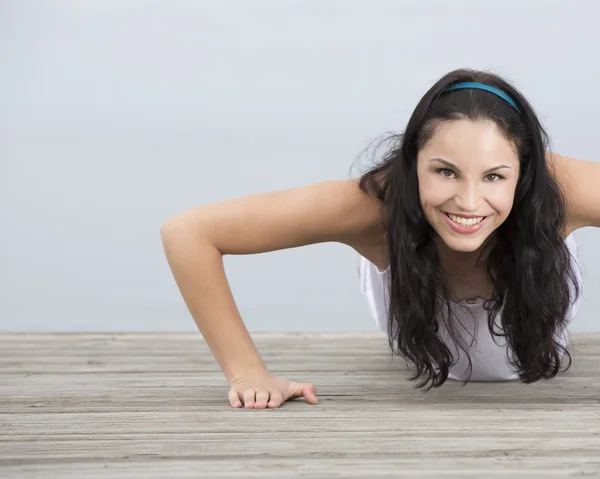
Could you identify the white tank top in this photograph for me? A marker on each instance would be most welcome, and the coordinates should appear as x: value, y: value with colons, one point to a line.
x: 489, y: 360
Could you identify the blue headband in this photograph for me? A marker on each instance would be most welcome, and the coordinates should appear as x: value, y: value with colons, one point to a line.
x: 481, y: 86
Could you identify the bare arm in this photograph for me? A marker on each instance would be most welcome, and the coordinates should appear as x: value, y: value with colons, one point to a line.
x: 579, y: 179
x: 195, y: 241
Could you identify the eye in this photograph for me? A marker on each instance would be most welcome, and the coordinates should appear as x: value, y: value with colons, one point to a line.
x: 440, y: 170
x: 498, y: 176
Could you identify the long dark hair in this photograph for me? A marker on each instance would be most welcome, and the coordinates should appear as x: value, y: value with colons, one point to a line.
x: 528, y: 261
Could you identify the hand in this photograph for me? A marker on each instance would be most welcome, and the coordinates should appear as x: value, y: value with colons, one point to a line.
x: 259, y: 389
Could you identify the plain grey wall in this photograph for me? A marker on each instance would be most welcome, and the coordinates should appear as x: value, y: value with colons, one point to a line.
x: 116, y: 115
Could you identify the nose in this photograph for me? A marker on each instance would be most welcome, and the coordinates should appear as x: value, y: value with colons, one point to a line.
x: 467, y: 197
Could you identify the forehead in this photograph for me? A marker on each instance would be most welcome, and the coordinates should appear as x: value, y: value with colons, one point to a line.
x: 465, y: 141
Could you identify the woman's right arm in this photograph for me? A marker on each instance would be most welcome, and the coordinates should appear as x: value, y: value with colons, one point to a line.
x: 195, y: 241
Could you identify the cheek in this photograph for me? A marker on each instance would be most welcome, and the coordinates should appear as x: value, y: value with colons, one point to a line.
x: 501, y: 199
x: 434, y: 193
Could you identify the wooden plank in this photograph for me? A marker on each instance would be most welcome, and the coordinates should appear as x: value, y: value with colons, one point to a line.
x: 155, y: 405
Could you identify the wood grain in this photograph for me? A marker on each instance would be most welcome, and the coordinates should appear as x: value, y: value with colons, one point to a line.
x: 155, y: 405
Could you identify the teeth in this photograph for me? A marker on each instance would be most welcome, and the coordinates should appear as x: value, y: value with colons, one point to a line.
x: 464, y: 221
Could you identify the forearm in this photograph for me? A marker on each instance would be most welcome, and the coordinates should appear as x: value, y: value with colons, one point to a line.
x: 198, y: 270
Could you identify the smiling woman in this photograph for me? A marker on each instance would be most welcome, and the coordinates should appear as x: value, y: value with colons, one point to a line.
x: 468, y: 186
x: 463, y: 232
x: 474, y: 148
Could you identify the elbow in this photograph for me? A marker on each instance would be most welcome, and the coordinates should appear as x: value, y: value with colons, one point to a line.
x: 173, y: 227
x: 182, y: 226
x: 188, y: 221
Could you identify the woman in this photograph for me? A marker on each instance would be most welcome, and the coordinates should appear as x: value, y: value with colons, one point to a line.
x: 464, y: 232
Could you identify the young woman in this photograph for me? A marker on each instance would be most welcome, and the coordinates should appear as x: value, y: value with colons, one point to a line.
x: 465, y: 239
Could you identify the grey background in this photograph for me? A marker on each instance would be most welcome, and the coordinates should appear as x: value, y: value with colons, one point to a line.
x: 116, y: 115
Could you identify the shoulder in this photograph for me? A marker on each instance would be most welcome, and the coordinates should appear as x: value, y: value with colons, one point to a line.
x: 579, y: 180
x: 368, y: 237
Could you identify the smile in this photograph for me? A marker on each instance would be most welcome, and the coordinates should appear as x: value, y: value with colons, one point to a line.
x: 465, y: 225
x: 465, y: 221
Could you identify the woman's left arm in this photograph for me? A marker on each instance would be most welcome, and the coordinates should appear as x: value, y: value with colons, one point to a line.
x: 580, y: 180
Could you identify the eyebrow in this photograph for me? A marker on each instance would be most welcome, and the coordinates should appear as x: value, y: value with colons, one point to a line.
x: 452, y: 165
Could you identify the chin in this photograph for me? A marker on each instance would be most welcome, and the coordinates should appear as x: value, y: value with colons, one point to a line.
x: 462, y: 245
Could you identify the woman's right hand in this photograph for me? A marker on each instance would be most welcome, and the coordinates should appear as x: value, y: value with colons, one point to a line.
x: 259, y: 389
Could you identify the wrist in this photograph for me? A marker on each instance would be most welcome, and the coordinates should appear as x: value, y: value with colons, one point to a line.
x: 246, y: 372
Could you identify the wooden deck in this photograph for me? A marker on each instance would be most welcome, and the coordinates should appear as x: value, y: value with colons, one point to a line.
x: 155, y: 405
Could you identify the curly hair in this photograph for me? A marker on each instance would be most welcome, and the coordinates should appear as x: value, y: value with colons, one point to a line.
x: 528, y: 263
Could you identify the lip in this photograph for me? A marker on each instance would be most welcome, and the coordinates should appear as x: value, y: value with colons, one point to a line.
x: 464, y: 216
x: 465, y: 229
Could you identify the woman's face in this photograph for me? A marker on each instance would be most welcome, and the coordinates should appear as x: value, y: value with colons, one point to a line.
x: 482, y: 181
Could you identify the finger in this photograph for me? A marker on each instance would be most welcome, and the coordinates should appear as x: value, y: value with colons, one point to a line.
x: 234, y: 398
x: 262, y: 398
x: 306, y: 390
x: 249, y: 398
x: 276, y: 400
x: 309, y: 394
